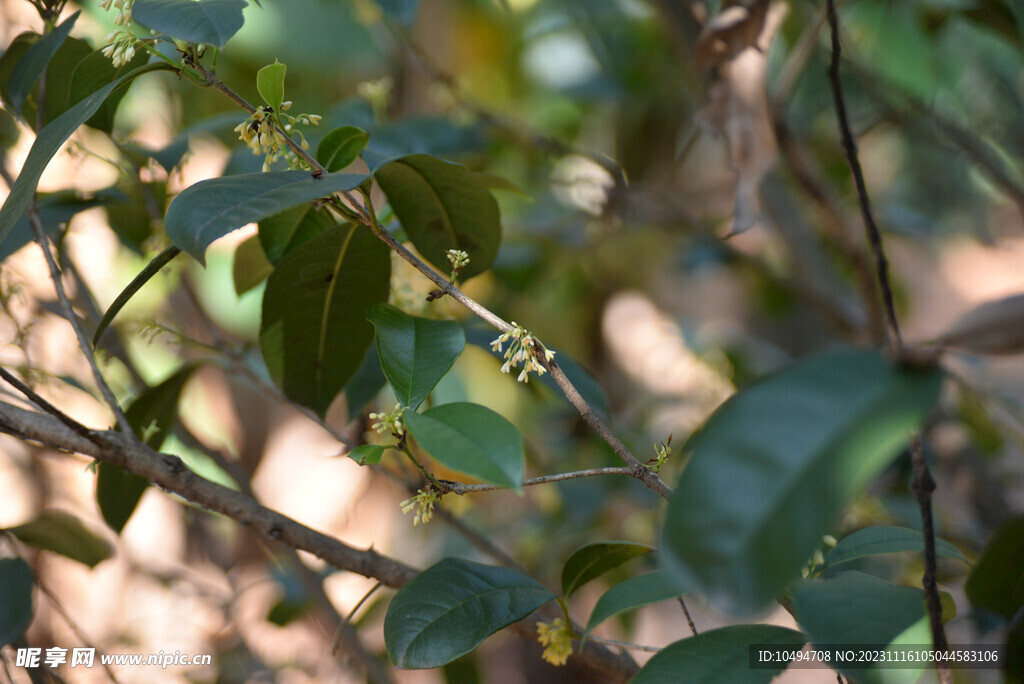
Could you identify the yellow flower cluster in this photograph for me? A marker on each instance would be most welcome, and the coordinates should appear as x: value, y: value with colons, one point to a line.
x: 389, y: 422
x: 556, y: 638
x: 524, y: 349
x: 260, y: 132
x: 423, y: 503
x: 120, y: 44
x: 459, y: 259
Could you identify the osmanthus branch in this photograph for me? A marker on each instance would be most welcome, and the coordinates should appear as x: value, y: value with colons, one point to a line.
x: 170, y: 474
x: 923, y: 484
x: 461, y: 488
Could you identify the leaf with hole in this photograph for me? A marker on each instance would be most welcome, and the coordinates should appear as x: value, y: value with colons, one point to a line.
x: 15, y: 598
x: 721, y: 656
x: 63, y: 533
x: 314, y: 331
x: 213, y: 208
x: 415, y: 353
x: 631, y: 594
x: 207, y: 22
x: 443, y: 206
x: 593, y: 560
x: 879, y: 539
x: 471, y: 439
x: 341, y: 147
x: 787, y: 453
x: 448, y: 609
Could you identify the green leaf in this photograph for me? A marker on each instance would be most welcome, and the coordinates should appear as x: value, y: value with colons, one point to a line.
x: 856, y: 608
x: 251, y: 266
x: 593, y: 560
x: 270, y: 84
x: 443, y: 206
x: 633, y: 593
x: 415, y: 353
x: 212, y: 208
x: 997, y: 581
x: 471, y: 439
x: 341, y: 147
x: 15, y: 599
x: 871, y: 541
x: 207, y: 22
x: 448, y: 609
x: 786, y: 454
x: 153, y: 414
x: 721, y: 656
x: 314, y: 331
x: 152, y: 268
x: 368, y: 453
x: 283, y: 232
x: 63, y: 533
x: 32, y: 65
x: 364, y: 383
x: 402, y: 11
x: 92, y: 73
x: 49, y: 141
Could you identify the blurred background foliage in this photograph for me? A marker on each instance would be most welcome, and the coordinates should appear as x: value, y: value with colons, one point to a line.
x: 614, y: 252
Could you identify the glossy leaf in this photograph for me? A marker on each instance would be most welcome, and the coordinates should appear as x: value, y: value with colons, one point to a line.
x: 593, y: 560
x: 368, y: 453
x: 314, y: 331
x: 415, y: 353
x: 270, y: 84
x: 15, y: 598
x: 152, y: 268
x: 213, y: 208
x: 856, y: 608
x: 283, y: 232
x: 341, y: 147
x: 871, y: 541
x: 207, y: 22
x: 471, y: 439
x: 32, y: 65
x: 63, y: 533
x: 443, y: 206
x: 448, y: 609
x: 46, y: 145
x: 364, y: 383
x: 774, y: 466
x: 721, y: 656
x: 997, y: 581
x: 631, y: 594
x: 251, y: 266
x: 153, y: 415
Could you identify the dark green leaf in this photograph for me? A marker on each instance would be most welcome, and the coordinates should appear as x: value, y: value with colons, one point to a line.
x: 9, y: 132
x: 118, y: 493
x: 402, y: 11
x: 283, y: 232
x: 721, y: 656
x: 997, y: 581
x: 251, y: 266
x: 59, y: 79
x: 593, y: 560
x: 48, y: 142
x: 471, y: 439
x: 364, y: 384
x: 443, y: 206
x: 270, y: 84
x: 314, y: 331
x: 130, y: 212
x: 415, y: 353
x: 63, y: 533
x: 884, y: 539
x: 287, y: 610
x: 448, y: 609
x: 341, y: 147
x: 15, y: 599
x: 786, y: 454
x: 32, y: 65
x: 631, y: 594
x: 368, y: 453
x: 213, y: 208
x: 209, y: 22
x: 91, y: 74
x: 856, y: 608
x: 152, y: 268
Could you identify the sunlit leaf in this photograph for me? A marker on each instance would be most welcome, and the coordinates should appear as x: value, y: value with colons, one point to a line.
x: 314, y: 331
x: 786, y: 454
x: 471, y: 439
x: 207, y: 22
x: 270, y: 84
x: 448, y: 609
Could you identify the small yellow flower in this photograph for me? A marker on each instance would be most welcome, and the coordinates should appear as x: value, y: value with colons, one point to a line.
x: 556, y: 638
x: 423, y: 504
x: 524, y: 349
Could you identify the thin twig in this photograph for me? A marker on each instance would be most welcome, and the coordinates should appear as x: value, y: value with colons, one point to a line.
x: 343, y: 625
x: 461, y: 488
x: 624, y: 644
x: 45, y: 405
x: 686, y: 612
